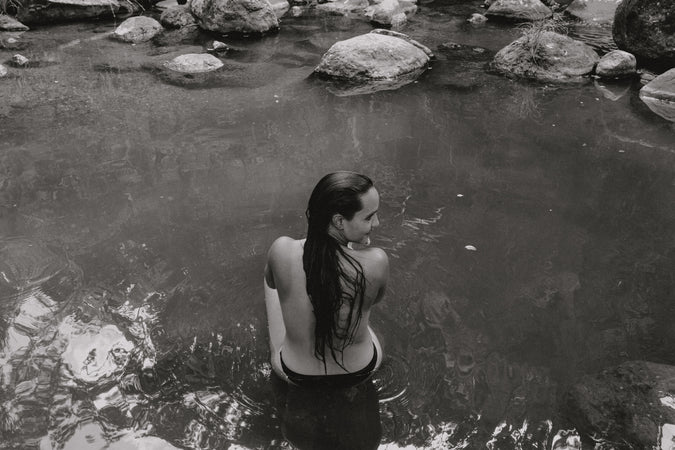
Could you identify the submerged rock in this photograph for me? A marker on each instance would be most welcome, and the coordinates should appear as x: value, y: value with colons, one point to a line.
x: 3, y: 71
x: 235, y: 16
x: 646, y: 28
x: 8, y: 23
x: 659, y: 95
x: 628, y: 403
x: 137, y: 29
x: 373, y: 56
x: 546, y: 56
x: 194, y: 63
x: 616, y: 64
x: 519, y: 10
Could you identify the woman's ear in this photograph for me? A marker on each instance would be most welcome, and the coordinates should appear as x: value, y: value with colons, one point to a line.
x: 337, y: 221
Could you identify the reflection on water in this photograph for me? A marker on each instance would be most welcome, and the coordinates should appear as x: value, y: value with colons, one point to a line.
x: 529, y: 229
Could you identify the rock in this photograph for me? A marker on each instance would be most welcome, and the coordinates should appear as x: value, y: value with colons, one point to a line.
x: 616, y: 64
x: 372, y: 56
x: 218, y: 47
x: 342, y: 7
x: 519, y: 10
x: 8, y: 23
x: 50, y: 11
x: 477, y: 19
x: 557, y: 5
x: 3, y: 71
x: 599, y: 12
x: 177, y: 17
x: 137, y: 29
x: 390, y: 12
x: 627, y: 403
x: 280, y: 7
x: 194, y: 63
x: 235, y: 16
x: 19, y: 61
x: 645, y: 28
x: 546, y: 56
x: 659, y: 95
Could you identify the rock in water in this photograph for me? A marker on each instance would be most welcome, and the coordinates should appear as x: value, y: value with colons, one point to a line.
x: 616, y: 64
x: 519, y: 10
x: 659, y: 95
x: 235, y: 16
x: 137, y: 29
x: 546, y: 56
x: 194, y: 63
x: 646, y: 28
x: 372, y: 56
x: 8, y: 23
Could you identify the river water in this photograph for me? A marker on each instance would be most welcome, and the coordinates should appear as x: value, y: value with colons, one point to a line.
x: 529, y: 229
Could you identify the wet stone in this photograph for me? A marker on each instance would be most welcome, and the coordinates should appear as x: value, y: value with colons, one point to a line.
x: 616, y: 64
x: 8, y: 23
x: 137, y: 29
x: 194, y: 63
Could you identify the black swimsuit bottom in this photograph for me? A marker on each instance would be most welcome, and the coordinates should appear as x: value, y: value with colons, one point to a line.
x: 331, y: 381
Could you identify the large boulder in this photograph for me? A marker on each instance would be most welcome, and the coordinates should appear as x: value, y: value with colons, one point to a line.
x: 50, y: 11
x: 137, y: 29
x: 235, y: 16
x: 628, y: 403
x: 546, y: 56
x: 646, y: 28
x: 373, y: 56
x: 659, y: 95
x: 518, y: 10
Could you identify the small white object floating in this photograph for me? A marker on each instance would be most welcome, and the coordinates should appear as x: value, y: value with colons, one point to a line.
x: 470, y: 247
x: 460, y: 195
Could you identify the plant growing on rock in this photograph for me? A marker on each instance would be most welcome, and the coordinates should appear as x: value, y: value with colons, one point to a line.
x: 534, y: 31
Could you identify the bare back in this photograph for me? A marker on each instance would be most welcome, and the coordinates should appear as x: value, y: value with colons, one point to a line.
x: 285, y: 273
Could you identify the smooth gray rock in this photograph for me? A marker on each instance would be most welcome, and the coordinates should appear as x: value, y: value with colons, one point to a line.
x: 342, y: 7
x: 194, y: 63
x: 616, y: 64
x: 235, y: 16
x: 3, y: 71
x: 519, y: 10
x: 659, y: 95
x: 547, y: 56
x: 646, y: 28
x: 137, y: 29
x: 372, y: 56
x: 8, y: 23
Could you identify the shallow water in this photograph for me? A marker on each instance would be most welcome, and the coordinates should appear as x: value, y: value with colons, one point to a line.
x: 529, y: 228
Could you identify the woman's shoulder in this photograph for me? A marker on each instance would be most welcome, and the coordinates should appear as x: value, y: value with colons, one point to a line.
x: 375, y: 260
x: 284, y: 246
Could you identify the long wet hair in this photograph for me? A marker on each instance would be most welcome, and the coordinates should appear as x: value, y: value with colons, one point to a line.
x: 334, y: 278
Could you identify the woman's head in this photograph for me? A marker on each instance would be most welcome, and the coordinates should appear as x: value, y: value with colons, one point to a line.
x: 343, y: 205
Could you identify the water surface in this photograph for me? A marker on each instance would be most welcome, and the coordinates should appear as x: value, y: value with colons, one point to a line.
x: 529, y: 228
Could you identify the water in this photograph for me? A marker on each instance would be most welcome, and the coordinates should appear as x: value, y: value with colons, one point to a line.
x: 529, y: 229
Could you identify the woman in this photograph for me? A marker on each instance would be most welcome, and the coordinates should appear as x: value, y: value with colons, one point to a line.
x: 319, y: 291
